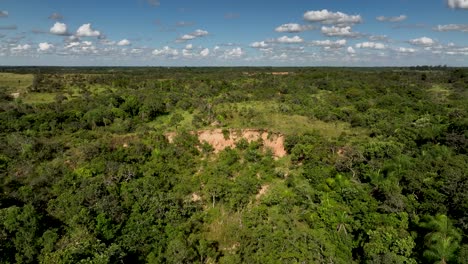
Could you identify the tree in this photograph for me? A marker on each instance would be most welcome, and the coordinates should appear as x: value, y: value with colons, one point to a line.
x: 443, y: 240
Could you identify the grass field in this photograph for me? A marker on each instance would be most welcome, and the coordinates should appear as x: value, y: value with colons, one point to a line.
x: 267, y: 115
x: 15, y: 83
x: 261, y: 115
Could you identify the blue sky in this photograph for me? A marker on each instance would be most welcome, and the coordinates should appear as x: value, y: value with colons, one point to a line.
x: 234, y: 33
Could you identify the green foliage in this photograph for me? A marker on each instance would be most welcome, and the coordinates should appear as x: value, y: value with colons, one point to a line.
x: 442, y: 241
x: 101, y: 165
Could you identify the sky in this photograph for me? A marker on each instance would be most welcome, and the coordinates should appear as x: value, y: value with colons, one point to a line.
x: 234, y: 33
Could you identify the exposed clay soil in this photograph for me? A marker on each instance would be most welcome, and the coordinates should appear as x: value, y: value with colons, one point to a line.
x: 216, y: 138
x: 262, y: 192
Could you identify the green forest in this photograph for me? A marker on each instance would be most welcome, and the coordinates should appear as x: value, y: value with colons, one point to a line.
x: 108, y: 165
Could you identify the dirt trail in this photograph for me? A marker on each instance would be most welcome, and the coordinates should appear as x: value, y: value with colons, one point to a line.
x: 217, y: 139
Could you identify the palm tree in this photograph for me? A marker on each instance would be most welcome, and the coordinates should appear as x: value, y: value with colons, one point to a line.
x: 442, y: 241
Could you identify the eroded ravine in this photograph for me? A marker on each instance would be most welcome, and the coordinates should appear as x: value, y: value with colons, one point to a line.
x: 221, y: 140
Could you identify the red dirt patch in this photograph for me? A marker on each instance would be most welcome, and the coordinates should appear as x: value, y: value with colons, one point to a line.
x: 262, y: 192
x: 217, y: 139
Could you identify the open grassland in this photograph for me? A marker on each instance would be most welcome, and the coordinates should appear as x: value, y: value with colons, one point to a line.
x: 15, y: 83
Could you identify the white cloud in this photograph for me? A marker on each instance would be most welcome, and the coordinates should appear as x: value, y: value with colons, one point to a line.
x: 187, y: 37
x: 462, y: 4
x: 329, y: 43
x: 187, y: 53
x: 188, y: 46
x: 21, y: 48
x: 392, y: 19
x: 290, y: 40
x: 259, y: 44
x: 86, y: 31
x: 424, y: 41
x: 293, y: 28
x: 339, y: 32
x: 234, y: 53
x: 44, y: 46
x: 166, y: 51
x: 282, y: 56
x: 328, y: 17
x: 405, y: 50
x: 124, y: 42
x: 452, y: 27
x: 59, y: 29
x: 200, y: 33
x: 136, y: 51
x: 379, y: 38
x: 205, y: 52
x: 72, y: 38
x: 3, y: 13
x: 72, y: 45
x: 370, y: 45
x: 196, y: 34
x: 350, y: 50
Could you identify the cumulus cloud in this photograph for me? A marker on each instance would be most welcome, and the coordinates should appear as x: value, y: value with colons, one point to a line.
x: 452, y: 27
x: 424, y: 41
x: 72, y: 45
x: 124, y: 42
x: 186, y: 37
x: 327, y: 17
x: 187, y: 53
x: 259, y: 44
x: 379, y: 38
x: 200, y: 33
x: 204, y: 52
x: 405, y: 50
x: 370, y: 45
x: 462, y: 4
x: 333, y: 31
x: 136, y: 51
x: 166, y: 51
x: 86, y: 31
x: 233, y: 53
x: 283, y: 56
x: 59, y: 29
x: 330, y: 44
x: 188, y: 46
x: 350, y: 50
x: 56, y: 16
x: 196, y: 34
x: 44, y: 46
x: 21, y: 48
x: 3, y: 13
x: 289, y: 40
x: 293, y: 28
x: 392, y: 19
